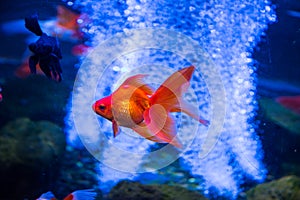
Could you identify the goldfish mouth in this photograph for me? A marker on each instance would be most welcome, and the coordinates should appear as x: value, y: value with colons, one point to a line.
x: 94, y: 107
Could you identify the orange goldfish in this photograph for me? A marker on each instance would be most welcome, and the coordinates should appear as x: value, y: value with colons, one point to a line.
x: 136, y: 106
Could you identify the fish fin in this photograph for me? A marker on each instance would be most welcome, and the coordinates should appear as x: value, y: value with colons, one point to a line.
x: 171, y: 90
x: 32, y: 24
x: 55, y: 68
x: 190, y: 110
x: 158, y: 126
x: 169, y: 94
x: 88, y: 194
x: 44, y: 65
x: 138, y: 83
x: 115, y: 128
x: 33, y: 61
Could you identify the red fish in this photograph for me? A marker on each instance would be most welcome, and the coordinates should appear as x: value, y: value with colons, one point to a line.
x: 1, y: 96
x: 24, y: 71
x: 68, y: 20
x: 88, y: 194
x: 80, y: 50
x: 136, y: 106
x: 290, y: 102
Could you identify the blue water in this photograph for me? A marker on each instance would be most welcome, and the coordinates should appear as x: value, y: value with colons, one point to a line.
x: 229, y: 44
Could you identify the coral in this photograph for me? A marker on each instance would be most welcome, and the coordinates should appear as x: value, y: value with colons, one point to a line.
x: 285, y: 188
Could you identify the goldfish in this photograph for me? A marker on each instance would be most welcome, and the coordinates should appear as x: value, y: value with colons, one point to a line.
x: 88, y: 194
x: 135, y: 105
x: 46, y: 51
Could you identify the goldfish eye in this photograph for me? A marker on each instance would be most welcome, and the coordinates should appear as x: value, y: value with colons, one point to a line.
x: 102, y: 107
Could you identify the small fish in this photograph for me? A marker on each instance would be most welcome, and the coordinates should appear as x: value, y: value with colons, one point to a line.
x: 68, y: 21
x: 66, y: 25
x: 80, y: 50
x: 290, y: 102
x: 23, y: 71
x: 1, y: 96
x: 88, y: 194
x: 46, y: 51
x: 136, y: 106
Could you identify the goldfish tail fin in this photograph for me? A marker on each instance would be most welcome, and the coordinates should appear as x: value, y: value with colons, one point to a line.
x: 169, y: 94
x: 88, y: 194
x: 158, y: 126
x: 32, y: 24
x: 191, y: 111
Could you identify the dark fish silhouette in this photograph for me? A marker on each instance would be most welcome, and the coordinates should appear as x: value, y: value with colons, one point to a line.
x: 46, y: 51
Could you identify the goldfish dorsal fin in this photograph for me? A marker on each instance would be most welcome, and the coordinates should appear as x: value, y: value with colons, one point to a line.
x: 137, y: 81
x: 158, y: 126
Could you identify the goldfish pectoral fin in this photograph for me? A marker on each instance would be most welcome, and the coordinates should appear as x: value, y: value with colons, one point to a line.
x: 161, y: 125
x: 115, y: 128
x: 191, y: 111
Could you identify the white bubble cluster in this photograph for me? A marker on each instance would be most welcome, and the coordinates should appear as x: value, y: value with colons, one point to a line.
x: 227, y: 31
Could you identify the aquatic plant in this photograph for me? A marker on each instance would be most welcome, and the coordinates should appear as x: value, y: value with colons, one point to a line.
x: 157, y: 38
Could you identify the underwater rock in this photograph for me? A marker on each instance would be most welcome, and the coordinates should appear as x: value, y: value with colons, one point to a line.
x: 29, y: 156
x: 285, y: 188
x: 280, y: 115
x: 128, y: 190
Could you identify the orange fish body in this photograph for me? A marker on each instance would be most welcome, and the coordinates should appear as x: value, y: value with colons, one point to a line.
x: 136, y: 106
